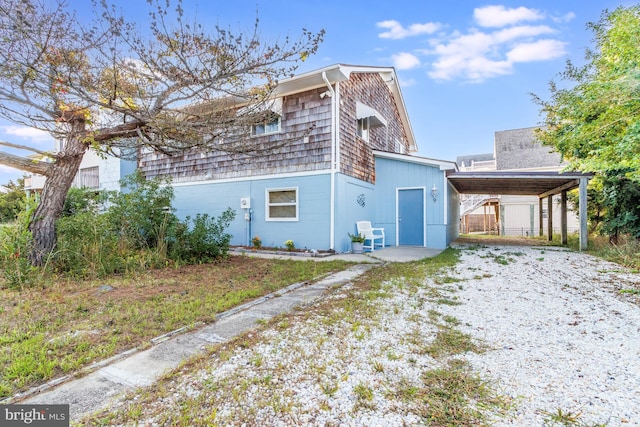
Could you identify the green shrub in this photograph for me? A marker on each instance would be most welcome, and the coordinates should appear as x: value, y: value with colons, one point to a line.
x: 140, y: 214
x: 15, y: 245
x: 82, y: 200
x: 12, y: 201
x: 204, y: 240
x: 86, y: 247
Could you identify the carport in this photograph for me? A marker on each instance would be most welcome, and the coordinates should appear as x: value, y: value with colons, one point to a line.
x: 542, y: 184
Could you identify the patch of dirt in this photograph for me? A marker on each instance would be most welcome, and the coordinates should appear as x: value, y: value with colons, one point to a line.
x: 221, y: 275
x: 502, y: 241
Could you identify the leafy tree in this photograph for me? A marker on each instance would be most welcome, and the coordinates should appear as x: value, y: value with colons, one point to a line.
x: 593, y: 119
x: 595, y: 204
x: 12, y: 200
x: 621, y: 198
x: 104, y: 84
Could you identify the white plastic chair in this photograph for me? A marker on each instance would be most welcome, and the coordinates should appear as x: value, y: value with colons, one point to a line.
x: 375, y: 236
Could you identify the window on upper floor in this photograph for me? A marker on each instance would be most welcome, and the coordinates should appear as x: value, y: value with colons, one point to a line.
x: 368, y: 118
x: 272, y: 125
x: 282, y: 204
x: 363, y: 128
x: 272, y: 113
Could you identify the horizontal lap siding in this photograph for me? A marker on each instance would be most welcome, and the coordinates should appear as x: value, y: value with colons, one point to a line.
x: 355, y: 201
x: 302, y: 154
x: 310, y: 231
x: 394, y: 174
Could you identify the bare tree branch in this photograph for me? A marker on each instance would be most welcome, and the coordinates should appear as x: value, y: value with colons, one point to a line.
x: 27, y: 148
x: 104, y: 84
x: 26, y: 164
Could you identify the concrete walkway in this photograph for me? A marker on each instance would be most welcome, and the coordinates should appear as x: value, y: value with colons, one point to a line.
x: 388, y: 254
x: 111, y: 378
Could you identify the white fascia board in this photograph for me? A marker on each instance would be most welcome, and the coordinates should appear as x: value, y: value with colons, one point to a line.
x: 251, y: 178
x: 442, y: 164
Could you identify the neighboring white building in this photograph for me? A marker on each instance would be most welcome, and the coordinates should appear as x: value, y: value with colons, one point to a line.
x: 98, y: 172
x: 514, y: 150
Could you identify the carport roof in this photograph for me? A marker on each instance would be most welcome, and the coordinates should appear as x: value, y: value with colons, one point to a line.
x: 541, y: 184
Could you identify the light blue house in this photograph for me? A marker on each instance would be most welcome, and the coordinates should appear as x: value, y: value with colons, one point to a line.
x: 347, y: 157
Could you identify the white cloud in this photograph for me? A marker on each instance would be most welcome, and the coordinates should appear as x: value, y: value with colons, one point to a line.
x: 405, y: 61
x: 501, y: 38
x: 480, y: 55
x: 499, y: 16
x: 473, y: 68
x: 541, y: 50
x: 397, y: 31
x: 568, y: 17
x: 35, y: 135
x: 513, y: 33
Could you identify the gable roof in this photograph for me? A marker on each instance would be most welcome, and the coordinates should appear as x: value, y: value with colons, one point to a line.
x: 340, y: 72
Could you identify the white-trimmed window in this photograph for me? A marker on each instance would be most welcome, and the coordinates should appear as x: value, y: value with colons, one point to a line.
x: 267, y: 127
x: 87, y: 178
x: 368, y: 118
x: 282, y: 204
x: 363, y: 128
x: 272, y: 110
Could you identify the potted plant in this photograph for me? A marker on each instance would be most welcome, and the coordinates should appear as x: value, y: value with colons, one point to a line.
x: 357, y: 240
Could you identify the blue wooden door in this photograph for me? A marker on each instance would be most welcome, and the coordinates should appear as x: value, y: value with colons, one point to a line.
x: 411, y: 217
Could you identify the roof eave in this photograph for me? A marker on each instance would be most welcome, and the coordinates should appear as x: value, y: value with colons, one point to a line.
x: 341, y: 72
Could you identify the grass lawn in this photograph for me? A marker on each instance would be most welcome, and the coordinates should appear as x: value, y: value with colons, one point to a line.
x: 64, y: 325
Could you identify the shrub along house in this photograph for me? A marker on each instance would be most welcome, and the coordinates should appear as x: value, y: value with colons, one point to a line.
x: 353, y: 164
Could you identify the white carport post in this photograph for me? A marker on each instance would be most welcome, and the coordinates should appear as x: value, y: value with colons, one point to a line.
x: 584, y: 237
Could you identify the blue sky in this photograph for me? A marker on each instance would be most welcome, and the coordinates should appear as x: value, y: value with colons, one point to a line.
x: 466, y: 67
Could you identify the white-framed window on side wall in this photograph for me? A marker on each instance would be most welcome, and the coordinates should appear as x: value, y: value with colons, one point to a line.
x: 272, y: 125
x: 368, y: 118
x: 363, y: 128
x: 87, y: 178
x: 281, y: 204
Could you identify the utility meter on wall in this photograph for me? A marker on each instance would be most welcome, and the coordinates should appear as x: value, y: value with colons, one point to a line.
x: 245, y: 203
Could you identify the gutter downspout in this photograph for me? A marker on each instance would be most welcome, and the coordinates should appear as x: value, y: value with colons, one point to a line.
x: 332, y: 202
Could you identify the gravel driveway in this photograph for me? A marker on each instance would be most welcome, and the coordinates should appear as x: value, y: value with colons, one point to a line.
x: 564, y: 336
x: 562, y: 340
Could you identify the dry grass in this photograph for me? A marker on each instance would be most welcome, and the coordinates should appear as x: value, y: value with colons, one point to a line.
x: 62, y: 326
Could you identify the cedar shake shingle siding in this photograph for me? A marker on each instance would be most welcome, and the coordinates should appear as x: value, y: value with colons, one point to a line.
x: 520, y: 149
x: 356, y: 154
x: 301, y: 111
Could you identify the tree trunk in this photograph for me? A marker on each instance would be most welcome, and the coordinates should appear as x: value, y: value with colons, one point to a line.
x: 54, y: 193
